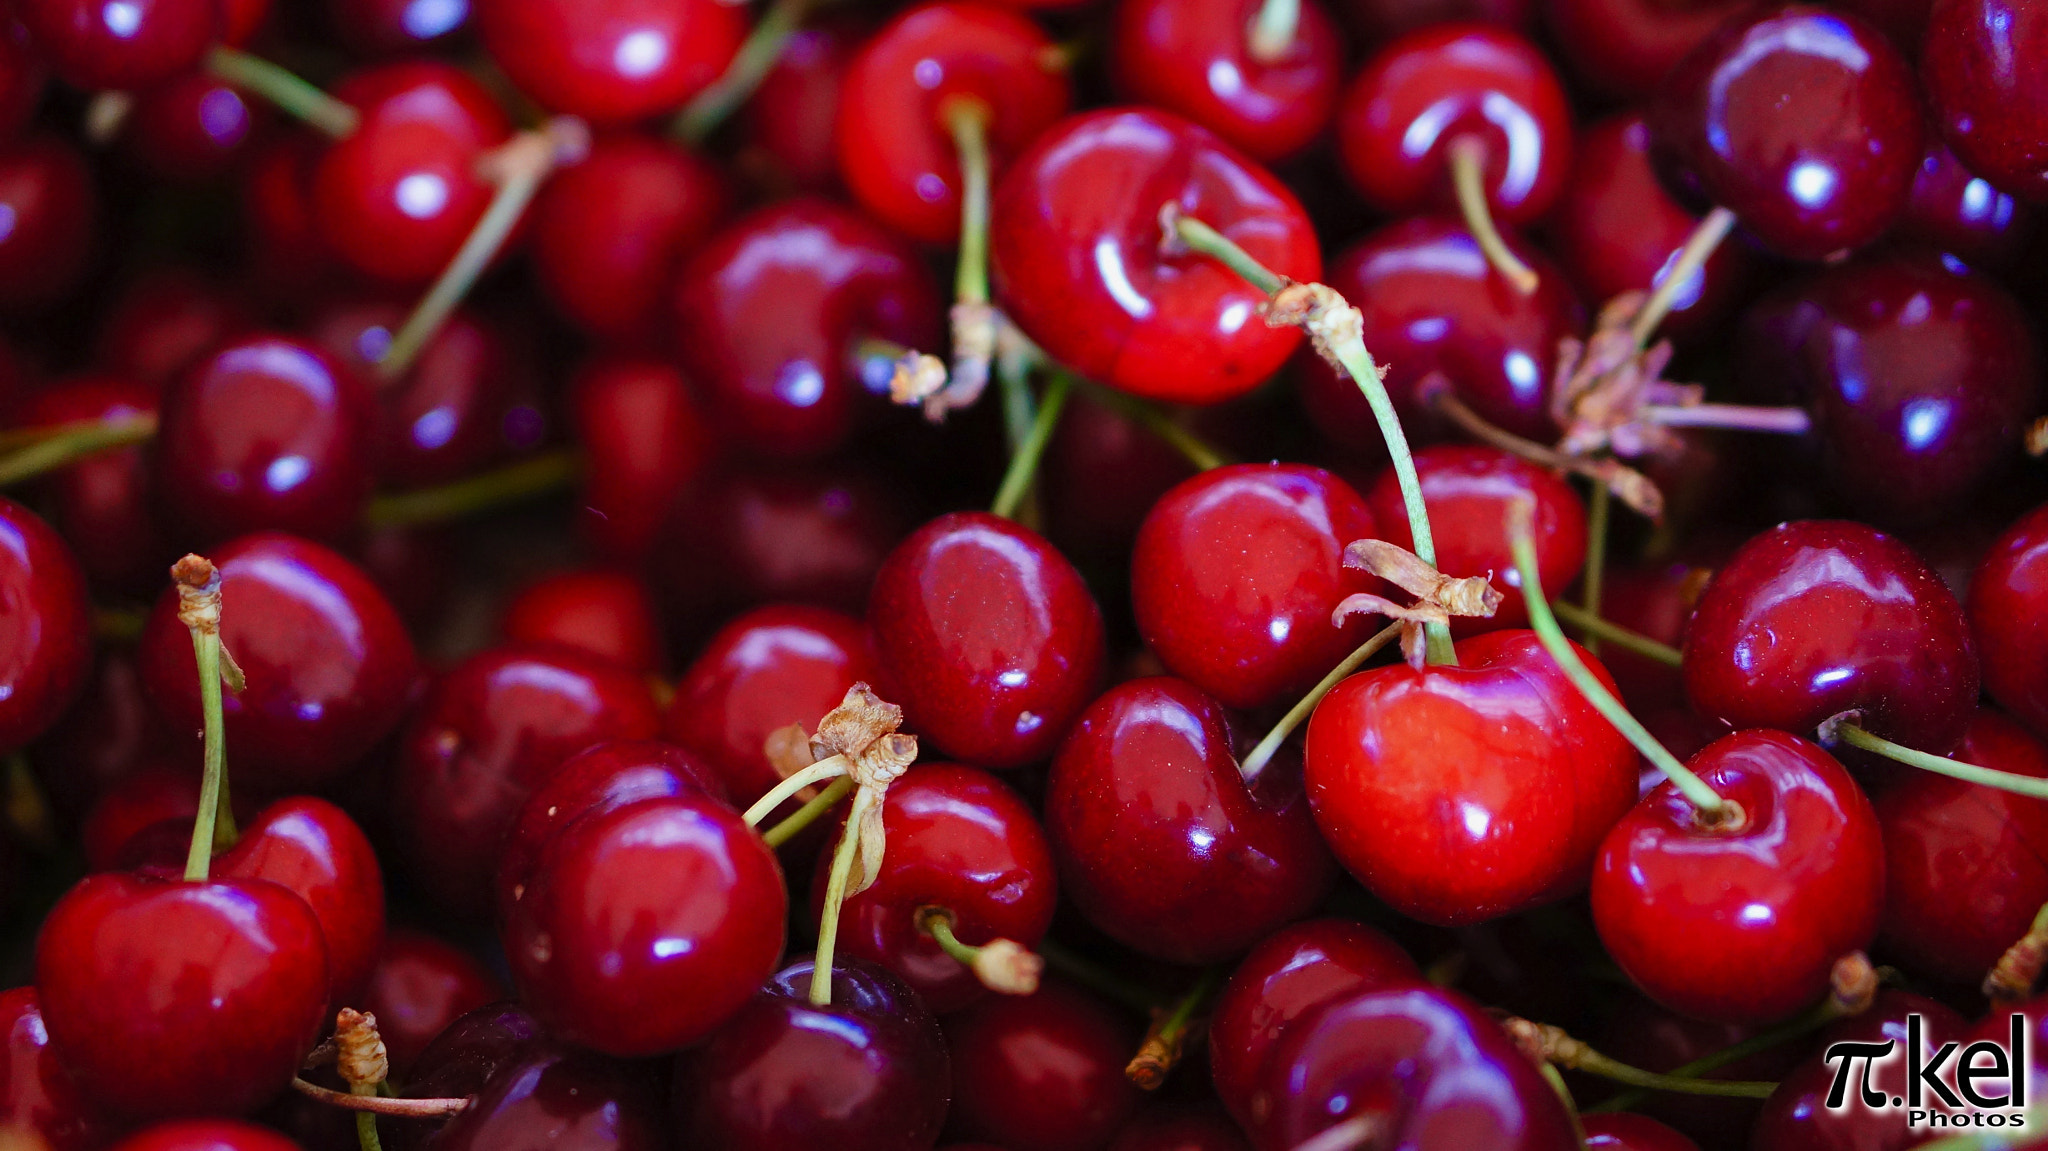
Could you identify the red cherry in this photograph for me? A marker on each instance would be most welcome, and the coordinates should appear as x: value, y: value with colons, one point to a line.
x: 2008, y: 604
x: 1797, y: 1118
x: 1296, y: 969
x: 1958, y: 211
x: 241, y: 20
x: 1463, y: 793
x: 1743, y: 921
x: 793, y: 116
x: 1990, y: 109
x: 1197, y: 60
x: 105, y: 502
x: 282, y: 242
x: 1642, y: 1034
x: 37, y: 1093
x: 611, y: 61
x: 645, y: 439
x: 49, y: 193
x: 313, y: 849
x: 1079, y: 261
x: 989, y: 637
x: 174, y: 998
x: 896, y: 152
x: 207, y: 1135
x: 1654, y: 600
x: 46, y: 641
x: 395, y: 27
x: 1162, y: 843
x: 164, y: 319
x: 1818, y: 617
x: 419, y: 986
x: 191, y: 129
x: 1041, y: 1072
x: 1624, y: 48
x: 607, y: 613
x: 1623, y: 1131
x: 330, y: 668
x: 1237, y: 571
x: 471, y: 1053
x: 126, y: 46
x: 550, y: 1095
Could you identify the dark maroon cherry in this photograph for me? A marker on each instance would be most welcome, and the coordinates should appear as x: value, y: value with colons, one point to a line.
x: 37, y: 1093
x: 1959, y: 212
x: 1797, y: 1117
x: 191, y: 129
x: 868, y: 1073
x: 395, y: 27
x: 23, y: 80
x: 46, y: 633
x: 281, y: 241
x: 111, y: 732
x: 1200, y: 60
x: 206, y: 1135
x: 1042, y: 1072
x: 123, y: 46
x: 1101, y: 475
x: 1624, y: 48
x: 990, y: 639
x: 154, y: 793
x: 1814, y: 618
x: 611, y: 61
x: 312, y: 848
x: 164, y: 319
x: 464, y: 1059
x: 1624, y: 1131
x: 2008, y: 605
x: 556, y: 1098
x: 105, y: 502
x: 1639, y: 1033
x: 1204, y: 1128
x: 605, y: 612
x: 645, y: 440
x: 1991, y: 107
x: 420, y: 985
x: 49, y: 195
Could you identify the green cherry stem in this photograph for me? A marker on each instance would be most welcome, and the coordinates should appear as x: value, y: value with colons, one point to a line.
x: 835, y: 897
x: 1468, y: 182
x: 809, y: 813
x: 1003, y: 966
x: 1599, y: 510
x: 1262, y: 753
x: 64, y: 444
x: 829, y: 768
x: 1850, y: 733
x: 281, y: 87
x: 533, y: 476
x: 198, y: 583
x: 973, y: 321
x: 757, y: 57
x: 1169, y: 1034
x: 1616, y: 634
x: 1024, y: 461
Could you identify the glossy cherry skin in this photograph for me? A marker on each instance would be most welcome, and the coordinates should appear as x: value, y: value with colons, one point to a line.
x: 1742, y: 922
x: 1801, y: 121
x: 419, y: 986
x: 1991, y: 108
x: 1162, y: 843
x: 191, y: 130
x: 207, y: 1135
x: 1817, y: 617
x: 1078, y: 263
x: 609, y: 232
x: 605, y: 612
x: 489, y: 731
x: 896, y: 151
x: 556, y: 1098
x: 1623, y: 1131
x: 1196, y: 60
x: 47, y: 187
x: 37, y: 1093
x: 768, y: 313
x: 646, y: 439
x: 868, y: 1073
x: 1042, y: 1072
x: 1959, y: 212
x: 1468, y: 490
x: 1432, y: 304
x: 265, y: 433
x: 1796, y: 1117
x: 1294, y: 970
x: 1624, y: 48
x: 2007, y: 600
x: 961, y: 839
x: 1459, y: 794
x: 990, y: 639
x: 329, y: 665
x: 611, y: 62
x: 46, y: 639
x: 1618, y: 230
x: 174, y: 998
x: 123, y: 47
x: 1434, y: 85
x: 1428, y: 1063
x: 475, y: 1051
x: 398, y: 195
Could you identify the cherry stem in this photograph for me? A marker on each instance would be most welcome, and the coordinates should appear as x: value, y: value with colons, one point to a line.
x: 1467, y: 155
x: 835, y: 896
x: 61, y: 444
x: 533, y: 476
x: 1522, y: 536
x: 1441, y: 397
x: 366, y: 1130
x: 1692, y: 256
x: 1168, y: 1036
x: 1784, y: 421
x: 1096, y: 978
x: 382, y: 1104
x: 198, y: 584
x: 1343, y: 343
x: 281, y: 87
x: 808, y: 814
x: 1159, y: 422
x: 1616, y: 634
x: 2011, y: 981
x: 1001, y: 965
x: 1853, y: 735
x: 832, y: 767
x: 1354, y: 1134
x: 967, y: 118
x: 1262, y: 753
x: 937, y: 922
x: 1024, y: 461
x: 1547, y: 1044
x: 1599, y: 510
x: 750, y: 65
x: 1274, y: 29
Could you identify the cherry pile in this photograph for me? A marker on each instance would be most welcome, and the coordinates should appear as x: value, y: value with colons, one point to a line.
x: 657, y: 575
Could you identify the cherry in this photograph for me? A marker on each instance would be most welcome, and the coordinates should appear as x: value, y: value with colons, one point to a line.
x: 1642, y: 1034
x: 164, y: 319
x: 37, y: 1093
x: 1959, y: 212
x: 867, y: 1073
x: 1797, y: 1118
x: 601, y: 778
x: 1432, y: 304
x: 1622, y: 1131
x: 396, y: 27
x: 1803, y: 122
x: 1624, y: 48
x: 266, y: 432
x: 896, y: 151
x: 1294, y: 970
x: 149, y: 800
x: 207, y: 1135
x: 611, y: 61
x: 1103, y: 471
x: 104, y: 501
x: 1203, y: 61
x: 489, y: 731
x: 46, y: 645
x: 792, y: 118
x: 1818, y: 617
x: 609, y: 233
x: 1079, y: 262
x: 181, y: 997
x: 49, y: 193
x: 604, y: 612
x: 124, y: 46
x: 1468, y: 490
x: 400, y: 194
x: 645, y: 440
x: 1992, y: 111
x: 1162, y: 843
x: 241, y: 20
x: 961, y: 840
x: 2006, y: 600
x: 768, y: 314
x: 1041, y: 1072
x: 1743, y: 920
x: 472, y: 1053
x: 557, y: 1097
x: 1459, y: 793
x: 419, y: 986
x: 989, y: 637
x: 189, y: 130
x: 1378, y: 21
x: 313, y: 849
x: 1236, y: 573
x: 1416, y: 1067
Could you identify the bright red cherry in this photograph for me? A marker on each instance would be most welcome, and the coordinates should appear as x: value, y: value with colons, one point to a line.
x: 1959, y: 212
x: 177, y: 998
x: 1042, y: 1072
x: 1462, y: 793
x: 1990, y: 106
x: 2008, y: 604
x: 1296, y: 969
x: 1081, y: 265
x: 312, y: 848
x: 896, y: 150
x: 1624, y: 48
x: 611, y: 61
x: 124, y: 46
x: 550, y: 1095
x: 37, y: 1093
x: 1201, y: 1128
x: 989, y: 637
x: 1199, y: 60
x: 1802, y: 121
x: 1743, y: 920
x: 49, y: 193
x: 420, y: 985
x: 645, y: 439
x: 769, y: 312
x: 1797, y: 1117
x: 46, y: 633
x: 1163, y: 843
x: 604, y: 612
x: 329, y: 665
x: 1814, y: 618
x: 207, y: 1135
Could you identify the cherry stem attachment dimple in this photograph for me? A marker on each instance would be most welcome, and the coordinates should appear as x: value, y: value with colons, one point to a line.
x: 1467, y: 158
x: 809, y: 813
x: 198, y: 583
x: 1855, y: 736
x: 1617, y: 635
x: 757, y: 56
x: 534, y: 476
x: 1548, y: 1044
x: 1168, y: 1036
x: 283, y: 88
x: 829, y: 768
x: 383, y: 1104
x: 1159, y: 422
x: 1692, y: 256
x: 1024, y: 461
x: 1262, y: 753
x: 1273, y: 30
x: 835, y: 896
x: 45, y: 450
x: 1522, y: 537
